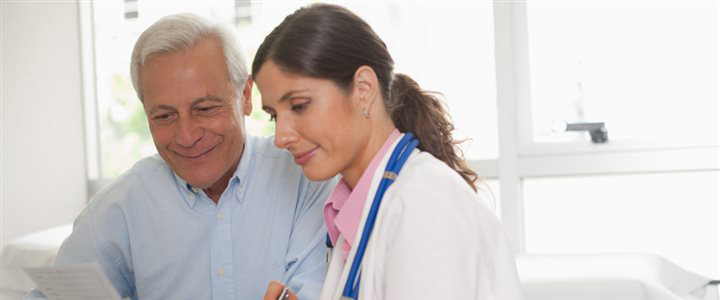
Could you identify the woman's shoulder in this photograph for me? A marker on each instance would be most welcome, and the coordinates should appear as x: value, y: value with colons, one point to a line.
x: 424, y: 177
x: 428, y: 189
x: 425, y: 171
x: 429, y: 184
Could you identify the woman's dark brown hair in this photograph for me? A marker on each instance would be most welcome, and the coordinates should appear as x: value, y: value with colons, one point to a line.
x: 330, y: 42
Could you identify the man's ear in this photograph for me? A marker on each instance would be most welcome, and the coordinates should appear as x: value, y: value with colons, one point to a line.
x: 247, y: 96
x: 365, y: 87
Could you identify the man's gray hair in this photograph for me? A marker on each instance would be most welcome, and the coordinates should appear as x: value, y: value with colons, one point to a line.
x: 178, y: 32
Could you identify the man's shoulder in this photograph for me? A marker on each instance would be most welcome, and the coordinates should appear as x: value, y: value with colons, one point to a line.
x: 271, y: 158
x: 280, y: 165
x: 152, y: 170
x: 264, y: 146
x: 151, y: 167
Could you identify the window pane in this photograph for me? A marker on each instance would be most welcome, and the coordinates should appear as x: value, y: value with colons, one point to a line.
x: 123, y: 129
x: 124, y: 133
x: 419, y: 37
x: 417, y: 34
x: 424, y: 40
x: 674, y: 215
x: 649, y: 69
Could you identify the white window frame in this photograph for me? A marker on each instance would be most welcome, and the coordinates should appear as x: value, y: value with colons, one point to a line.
x: 90, y: 107
x: 520, y: 158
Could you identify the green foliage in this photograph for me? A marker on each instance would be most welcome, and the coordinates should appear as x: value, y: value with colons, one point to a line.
x: 125, y: 134
x: 259, y: 122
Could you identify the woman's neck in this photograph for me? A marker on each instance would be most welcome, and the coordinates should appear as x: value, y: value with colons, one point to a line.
x: 377, y: 139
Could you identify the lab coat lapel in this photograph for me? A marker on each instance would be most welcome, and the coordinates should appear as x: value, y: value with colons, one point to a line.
x: 335, y: 274
x: 334, y: 277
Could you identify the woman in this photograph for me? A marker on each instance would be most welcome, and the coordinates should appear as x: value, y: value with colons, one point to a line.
x: 405, y: 223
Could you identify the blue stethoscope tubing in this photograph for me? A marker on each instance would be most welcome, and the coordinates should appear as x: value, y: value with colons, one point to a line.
x: 399, y: 156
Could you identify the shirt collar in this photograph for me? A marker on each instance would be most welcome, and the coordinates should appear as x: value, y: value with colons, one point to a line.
x: 246, y: 159
x: 190, y: 193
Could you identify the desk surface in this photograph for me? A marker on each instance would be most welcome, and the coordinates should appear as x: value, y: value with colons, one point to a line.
x: 543, y: 277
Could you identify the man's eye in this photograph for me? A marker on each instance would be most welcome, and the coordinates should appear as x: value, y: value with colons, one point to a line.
x: 207, y: 109
x: 273, y: 117
x: 163, y: 118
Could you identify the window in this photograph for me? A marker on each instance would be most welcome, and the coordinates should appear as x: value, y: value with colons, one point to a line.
x: 510, y: 72
x: 649, y: 71
x: 646, y: 69
x: 122, y: 130
x: 671, y: 214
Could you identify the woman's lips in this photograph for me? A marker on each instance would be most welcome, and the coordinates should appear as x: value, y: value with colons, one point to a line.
x: 303, y: 158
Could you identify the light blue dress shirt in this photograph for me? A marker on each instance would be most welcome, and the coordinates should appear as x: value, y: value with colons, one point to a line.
x: 156, y: 237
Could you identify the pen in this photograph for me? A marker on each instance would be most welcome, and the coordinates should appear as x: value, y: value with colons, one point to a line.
x: 284, y: 294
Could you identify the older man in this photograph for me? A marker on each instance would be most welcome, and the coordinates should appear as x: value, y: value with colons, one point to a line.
x: 218, y: 214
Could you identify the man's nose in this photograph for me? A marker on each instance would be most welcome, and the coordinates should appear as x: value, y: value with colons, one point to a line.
x: 285, y: 134
x: 188, y: 132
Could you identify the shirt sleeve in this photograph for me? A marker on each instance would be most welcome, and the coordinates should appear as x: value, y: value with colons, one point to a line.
x: 306, y: 263
x: 99, y: 235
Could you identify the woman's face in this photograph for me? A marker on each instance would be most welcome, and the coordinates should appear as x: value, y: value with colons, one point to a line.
x: 319, y: 123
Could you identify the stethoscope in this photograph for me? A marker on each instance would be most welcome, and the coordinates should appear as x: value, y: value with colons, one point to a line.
x: 397, y: 159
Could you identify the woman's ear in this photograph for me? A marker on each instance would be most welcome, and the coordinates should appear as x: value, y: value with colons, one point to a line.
x: 365, y: 87
x: 247, y: 96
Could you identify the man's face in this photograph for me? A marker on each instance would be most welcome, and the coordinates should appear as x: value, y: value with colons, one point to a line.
x: 196, y: 117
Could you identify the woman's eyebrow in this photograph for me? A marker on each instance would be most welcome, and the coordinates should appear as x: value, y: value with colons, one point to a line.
x: 290, y: 93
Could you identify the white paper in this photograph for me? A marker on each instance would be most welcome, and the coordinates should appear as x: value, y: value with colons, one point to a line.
x: 76, y: 282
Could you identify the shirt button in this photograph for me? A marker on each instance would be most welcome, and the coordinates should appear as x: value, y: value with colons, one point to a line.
x: 221, y: 271
x: 219, y: 216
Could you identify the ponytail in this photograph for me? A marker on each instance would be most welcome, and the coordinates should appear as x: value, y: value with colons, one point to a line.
x: 330, y: 42
x: 423, y: 114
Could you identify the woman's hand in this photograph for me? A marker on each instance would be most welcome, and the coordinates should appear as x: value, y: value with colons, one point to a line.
x: 274, y: 289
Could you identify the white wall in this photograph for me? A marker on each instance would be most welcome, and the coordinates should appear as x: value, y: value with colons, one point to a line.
x: 42, y: 182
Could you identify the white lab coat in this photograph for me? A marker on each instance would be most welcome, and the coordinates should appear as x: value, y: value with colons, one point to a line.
x: 434, y: 238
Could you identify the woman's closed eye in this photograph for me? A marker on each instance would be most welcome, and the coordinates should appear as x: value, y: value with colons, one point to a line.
x: 296, y: 105
x: 299, y: 105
